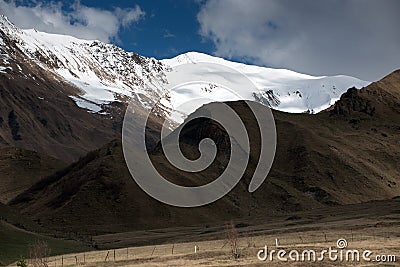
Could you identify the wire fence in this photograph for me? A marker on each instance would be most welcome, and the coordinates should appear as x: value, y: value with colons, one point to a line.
x: 249, y: 240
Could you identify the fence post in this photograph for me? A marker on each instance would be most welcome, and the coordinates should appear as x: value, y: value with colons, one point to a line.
x: 173, y: 245
x: 106, y: 256
x: 114, y: 254
x: 127, y: 253
x: 62, y: 260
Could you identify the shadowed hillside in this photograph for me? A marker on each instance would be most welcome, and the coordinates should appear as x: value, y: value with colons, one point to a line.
x: 21, y: 168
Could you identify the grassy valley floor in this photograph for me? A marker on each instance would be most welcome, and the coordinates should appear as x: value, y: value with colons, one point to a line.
x: 373, y: 226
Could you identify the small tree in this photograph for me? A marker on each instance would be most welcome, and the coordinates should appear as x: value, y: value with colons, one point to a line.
x: 232, y: 238
x: 39, y: 253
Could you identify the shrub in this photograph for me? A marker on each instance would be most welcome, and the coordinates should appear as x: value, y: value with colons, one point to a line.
x: 22, y: 263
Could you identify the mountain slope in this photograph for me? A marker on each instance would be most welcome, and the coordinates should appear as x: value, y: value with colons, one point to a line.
x: 36, y: 112
x: 20, y: 169
x: 15, y: 243
x: 326, y: 159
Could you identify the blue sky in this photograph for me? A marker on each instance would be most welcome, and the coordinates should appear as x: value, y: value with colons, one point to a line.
x: 169, y: 28
x: 330, y: 37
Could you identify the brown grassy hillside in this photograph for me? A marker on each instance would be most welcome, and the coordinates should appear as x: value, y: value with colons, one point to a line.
x: 21, y: 168
x: 347, y: 155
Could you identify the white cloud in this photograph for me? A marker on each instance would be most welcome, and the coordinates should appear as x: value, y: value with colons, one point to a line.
x: 80, y: 21
x: 359, y: 38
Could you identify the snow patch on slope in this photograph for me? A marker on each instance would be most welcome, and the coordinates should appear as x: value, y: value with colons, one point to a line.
x: 83, y: 103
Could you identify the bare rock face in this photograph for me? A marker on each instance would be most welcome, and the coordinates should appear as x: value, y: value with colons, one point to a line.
x: 353, y: 102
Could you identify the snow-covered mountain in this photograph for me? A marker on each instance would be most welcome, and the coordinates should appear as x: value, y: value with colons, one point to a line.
x: 106, y: 73
x: 282, y: 89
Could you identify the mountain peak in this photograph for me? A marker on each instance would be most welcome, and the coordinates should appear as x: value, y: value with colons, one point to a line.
x: 6, y: 25
x: 4, y: 18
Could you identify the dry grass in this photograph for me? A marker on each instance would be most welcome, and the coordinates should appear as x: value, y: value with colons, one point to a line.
x: 373, y: 226
x: 384, y: 241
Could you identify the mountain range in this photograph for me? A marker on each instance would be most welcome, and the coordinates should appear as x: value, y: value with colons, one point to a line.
x: 49, y: 71
x: 105, y: 73
x: 62, y: 103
